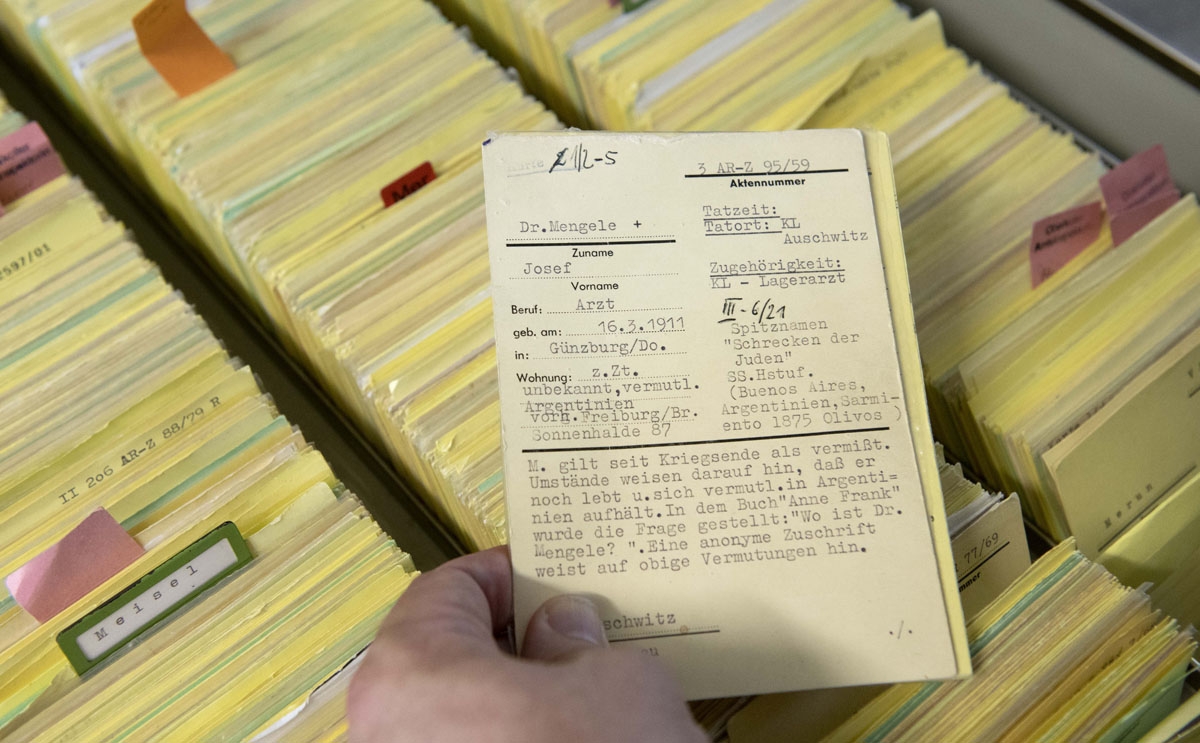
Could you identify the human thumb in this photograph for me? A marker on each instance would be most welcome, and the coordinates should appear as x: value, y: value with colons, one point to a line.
x: 563, y: 626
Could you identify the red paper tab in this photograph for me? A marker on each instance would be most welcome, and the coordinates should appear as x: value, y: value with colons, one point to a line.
x: 1060, y: 237
x: 175, y: 45
x: 407, y: 184
x: 27, y: 162
x: 1137, y: 191
x: 90, y: 554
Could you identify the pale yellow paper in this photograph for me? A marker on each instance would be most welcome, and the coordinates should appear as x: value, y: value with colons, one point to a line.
x: 1130, y: 455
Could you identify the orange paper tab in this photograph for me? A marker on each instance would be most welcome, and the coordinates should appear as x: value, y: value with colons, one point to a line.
x: 407, y: 184
x: 176, y: 46
x: 1137, y: 191
x: 27, y: 162
x: 90, y: 554
x: 1060, y: 237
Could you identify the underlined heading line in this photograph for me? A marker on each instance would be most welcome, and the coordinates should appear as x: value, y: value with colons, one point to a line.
x: 587, y: 244
x: 751, y: 175
x: 709, y: 441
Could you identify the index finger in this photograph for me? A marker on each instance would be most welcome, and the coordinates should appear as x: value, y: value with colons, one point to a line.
x: 464, y: 604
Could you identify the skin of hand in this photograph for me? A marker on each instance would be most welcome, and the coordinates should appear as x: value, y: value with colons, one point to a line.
x: 438, y: 671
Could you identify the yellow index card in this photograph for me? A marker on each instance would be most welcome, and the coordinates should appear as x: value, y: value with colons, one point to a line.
x: 1133, y: 453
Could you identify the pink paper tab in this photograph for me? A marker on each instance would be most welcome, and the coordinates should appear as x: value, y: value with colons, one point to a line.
x: 27, y: 162
x: 1141, y: 178
x: 1060, y: 237
x: 90, y: 554
x: 1128, y: 222
x: 1137, y: 191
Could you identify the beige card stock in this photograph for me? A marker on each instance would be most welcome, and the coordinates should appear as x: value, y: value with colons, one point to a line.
x: 712, y: 414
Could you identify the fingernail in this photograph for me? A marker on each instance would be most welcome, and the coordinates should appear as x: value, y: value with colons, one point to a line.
x: 575, y: 617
